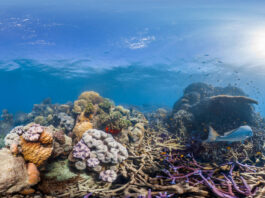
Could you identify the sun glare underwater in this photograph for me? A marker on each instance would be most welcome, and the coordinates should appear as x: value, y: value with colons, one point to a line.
x: 132, y: 99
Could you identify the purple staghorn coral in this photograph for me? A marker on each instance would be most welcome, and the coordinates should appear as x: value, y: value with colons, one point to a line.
x: 33, y: 133
x: 81, y: 151
x: 186, y: 168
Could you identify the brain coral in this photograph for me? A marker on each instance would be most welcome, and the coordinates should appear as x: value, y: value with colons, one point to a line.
x: 91, y: 96
x: 37, y: 152
x: 81, y: 128
x: 82, y: 125
x: 85, y: 99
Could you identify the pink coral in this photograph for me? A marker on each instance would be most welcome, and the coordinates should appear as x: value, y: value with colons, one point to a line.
x: 81, y: 151
x: 92, y: 162
x: 33, y: 133
x: 108, y: 175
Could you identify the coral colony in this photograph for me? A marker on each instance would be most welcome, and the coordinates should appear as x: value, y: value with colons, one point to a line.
x: 93, y: 148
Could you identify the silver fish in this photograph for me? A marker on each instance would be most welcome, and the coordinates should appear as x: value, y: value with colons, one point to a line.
x: 239, y: 134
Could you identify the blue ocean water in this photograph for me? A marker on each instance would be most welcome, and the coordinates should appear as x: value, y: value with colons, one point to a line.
x: 140, y: 53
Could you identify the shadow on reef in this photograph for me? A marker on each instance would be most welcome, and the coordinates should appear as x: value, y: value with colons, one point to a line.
x: 93, y: 148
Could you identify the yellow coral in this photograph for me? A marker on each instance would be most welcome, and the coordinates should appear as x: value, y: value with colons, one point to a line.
x: 27, y: 191
x: 46, y: 137
x: 79, y: 105
x: 35, y: 152
x: 91, y: 96
x: 81, y: 128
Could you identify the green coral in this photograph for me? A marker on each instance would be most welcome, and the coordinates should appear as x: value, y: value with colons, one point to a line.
x: 105, y: 105
x: 89, y: 109
x: 59, y: 170
x: 116, y: 115
x: 123, y: 123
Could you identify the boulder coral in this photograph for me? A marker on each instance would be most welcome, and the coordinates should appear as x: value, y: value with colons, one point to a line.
x: 98, y: 150
x: 85, y: 99
x: 81, y: 128
x: 16, y: 175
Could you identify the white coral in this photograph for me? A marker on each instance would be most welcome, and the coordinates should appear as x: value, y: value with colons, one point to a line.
x: 108, y: 176
x: 92, y: 162
x: 12, y: 138
x: 106, y: 148
x: 80, y: 165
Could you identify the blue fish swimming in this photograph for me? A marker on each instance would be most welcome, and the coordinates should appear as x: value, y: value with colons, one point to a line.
x: 239, y: 134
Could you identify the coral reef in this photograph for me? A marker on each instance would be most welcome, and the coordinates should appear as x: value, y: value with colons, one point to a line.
x: 96, y: 149
x: 224, y: 109
x: 64, y: 121
x: 6, y: 122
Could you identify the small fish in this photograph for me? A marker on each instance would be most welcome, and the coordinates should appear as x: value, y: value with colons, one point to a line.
x: 258, y: 153
x: 228, y: 148
x: 239, y: 134
x: 112, y: 131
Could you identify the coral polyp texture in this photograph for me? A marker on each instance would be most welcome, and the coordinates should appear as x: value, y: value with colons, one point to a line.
x: 33, y: 133
x: 98, y: 150
x: 108, y: 175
